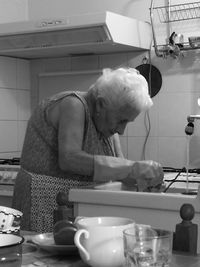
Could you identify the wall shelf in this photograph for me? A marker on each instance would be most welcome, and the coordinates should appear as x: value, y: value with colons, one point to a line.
x: 169, y: 14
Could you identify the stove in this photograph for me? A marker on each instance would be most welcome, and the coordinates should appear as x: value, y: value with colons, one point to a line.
x: 8, y: 171
x: 182, y: 179
x: 12, y: 161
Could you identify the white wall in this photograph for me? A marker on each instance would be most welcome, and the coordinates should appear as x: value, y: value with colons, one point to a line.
x: 61, y: 8
x: 14, y: 105
x: 13, y: 10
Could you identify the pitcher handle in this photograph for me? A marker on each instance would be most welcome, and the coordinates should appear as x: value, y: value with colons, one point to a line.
x: 79, y: 245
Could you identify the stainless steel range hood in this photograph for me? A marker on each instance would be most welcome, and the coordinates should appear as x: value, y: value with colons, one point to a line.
x: 95, y: 33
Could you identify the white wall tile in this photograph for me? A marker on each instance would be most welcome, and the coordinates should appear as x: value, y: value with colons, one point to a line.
x: 57, y: 64
x: 194, y: 150
x: 8, y: 104
x: 23, y: 104
x: 84, y: 62
x: 173, y: 111
x: 15, y: 10
x: 144, y: 122
x: 195, y: 109
x: 172, y: 151
x: 136, y: 148
x: 8, y: 136
x: 137, y: 128
x: 72, y: 82
x: 196, y: 79
x: 21, y: 126
x: 14, y: 104
x: 178, y: 82
x: 8, y: 76
x: 23, y: 74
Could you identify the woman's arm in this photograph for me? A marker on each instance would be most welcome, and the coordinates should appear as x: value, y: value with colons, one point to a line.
x: 71, y: 121
x: 117, y: 146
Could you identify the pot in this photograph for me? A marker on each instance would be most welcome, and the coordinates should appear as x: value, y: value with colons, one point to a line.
x: 153, y: 77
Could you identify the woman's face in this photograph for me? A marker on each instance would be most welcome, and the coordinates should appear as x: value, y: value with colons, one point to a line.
x: 112, y: 121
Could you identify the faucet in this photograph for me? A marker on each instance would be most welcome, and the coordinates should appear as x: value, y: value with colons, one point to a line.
x: 192, y: 118
x: 189, y: 129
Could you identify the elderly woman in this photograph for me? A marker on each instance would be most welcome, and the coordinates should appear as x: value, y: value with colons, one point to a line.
x: 72, y: 140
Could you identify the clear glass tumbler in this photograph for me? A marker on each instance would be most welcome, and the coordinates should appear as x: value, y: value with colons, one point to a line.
x: 147, y: 247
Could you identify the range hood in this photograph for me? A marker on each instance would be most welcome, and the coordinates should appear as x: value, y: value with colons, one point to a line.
x: 92, y: 33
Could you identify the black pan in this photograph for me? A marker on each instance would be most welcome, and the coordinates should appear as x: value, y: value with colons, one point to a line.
x: 153, y: 77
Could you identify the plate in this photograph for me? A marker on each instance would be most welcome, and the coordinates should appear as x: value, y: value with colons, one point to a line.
x: 46, y: 242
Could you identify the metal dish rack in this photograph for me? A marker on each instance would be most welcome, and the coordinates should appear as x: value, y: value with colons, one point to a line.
x: 173, y: 13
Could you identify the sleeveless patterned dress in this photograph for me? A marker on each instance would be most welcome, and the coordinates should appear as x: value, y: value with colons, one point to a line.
x: 40, y: 178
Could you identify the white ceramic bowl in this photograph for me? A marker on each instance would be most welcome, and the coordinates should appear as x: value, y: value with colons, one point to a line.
x: 9, y: 220
x: 7, y: 240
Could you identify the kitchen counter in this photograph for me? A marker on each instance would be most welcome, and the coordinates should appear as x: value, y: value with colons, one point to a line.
x: 32, y: 257
x: 161, y: 210
x: 44, y: 259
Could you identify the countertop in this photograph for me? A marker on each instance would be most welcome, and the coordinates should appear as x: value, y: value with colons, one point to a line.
x: 33, y: 257
x: 44, y: 259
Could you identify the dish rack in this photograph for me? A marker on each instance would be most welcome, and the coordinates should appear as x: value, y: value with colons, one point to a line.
x: 173, y: 14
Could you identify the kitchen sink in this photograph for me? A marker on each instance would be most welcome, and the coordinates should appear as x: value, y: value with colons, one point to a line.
x: 119, y: 186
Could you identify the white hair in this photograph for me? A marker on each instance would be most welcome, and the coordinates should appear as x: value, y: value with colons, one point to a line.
x: 123, y: 87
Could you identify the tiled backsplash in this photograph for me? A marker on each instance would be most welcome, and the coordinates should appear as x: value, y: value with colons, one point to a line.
x: 14, y: 105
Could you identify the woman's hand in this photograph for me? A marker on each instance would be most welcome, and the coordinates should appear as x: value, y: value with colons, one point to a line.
x: 148, y: 175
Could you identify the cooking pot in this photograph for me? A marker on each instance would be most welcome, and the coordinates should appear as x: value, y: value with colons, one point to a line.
x: 152, y: 75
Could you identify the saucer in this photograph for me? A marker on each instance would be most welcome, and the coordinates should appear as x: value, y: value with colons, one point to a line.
x: 46, y: 242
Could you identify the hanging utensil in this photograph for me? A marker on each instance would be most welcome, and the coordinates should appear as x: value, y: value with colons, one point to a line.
x: 152, y: 75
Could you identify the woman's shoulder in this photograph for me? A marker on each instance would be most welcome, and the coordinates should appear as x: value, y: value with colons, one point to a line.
x: 72, y: 102
x: 67, y: 106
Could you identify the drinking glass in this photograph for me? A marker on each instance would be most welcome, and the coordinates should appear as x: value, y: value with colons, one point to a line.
x: 147, y: 247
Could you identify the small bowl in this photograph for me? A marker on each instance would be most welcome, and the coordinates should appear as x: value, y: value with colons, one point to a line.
x: 10, y: 220
x: 10, y: 240
x: 11, y: 250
